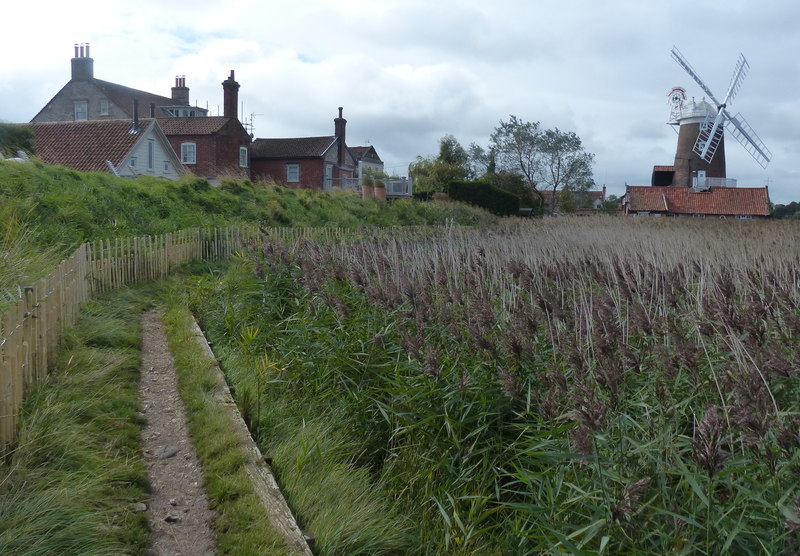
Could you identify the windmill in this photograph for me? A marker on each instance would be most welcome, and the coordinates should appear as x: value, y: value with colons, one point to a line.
x: 705, y: 125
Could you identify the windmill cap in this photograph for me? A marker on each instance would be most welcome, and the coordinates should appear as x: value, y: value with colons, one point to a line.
x: 696, y: 110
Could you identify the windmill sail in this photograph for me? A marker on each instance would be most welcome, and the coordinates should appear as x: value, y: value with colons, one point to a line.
x: 751, y: 142
x: 711, y: 130
x: 710, y: 136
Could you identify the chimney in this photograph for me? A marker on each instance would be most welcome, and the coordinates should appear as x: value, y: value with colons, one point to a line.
x: 339, y: 131
x: 231, y: 97
x: 82, y: 64
x: 180, y: 92
x: 135, y: 127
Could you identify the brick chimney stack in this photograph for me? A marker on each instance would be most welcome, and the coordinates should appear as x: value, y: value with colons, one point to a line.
x: 180, y: 92
x: 339, y: 125
x: 231, y: 97
x: 82, y: 64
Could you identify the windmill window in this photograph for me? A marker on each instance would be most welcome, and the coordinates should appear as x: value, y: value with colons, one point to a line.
x: 188, y: 153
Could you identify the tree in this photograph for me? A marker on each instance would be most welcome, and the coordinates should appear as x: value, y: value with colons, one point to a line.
x: 433, y: 174
x: 516, y: 149
x: 565, y: 165
x: 610, y: 205
x: 452, y: 153
x: 547, y: 160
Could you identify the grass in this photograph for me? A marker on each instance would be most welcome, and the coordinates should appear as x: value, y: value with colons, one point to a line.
x: 72, y: 483
x: 63, y: 208
x: 241, y: 526
x: 315, y: 456
x: 592, y: 385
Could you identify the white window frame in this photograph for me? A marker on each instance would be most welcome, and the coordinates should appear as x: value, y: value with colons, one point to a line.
x: 243, y: 157
x: 292, y: 173
x: 328, y: 185
x: 81, y: 108
x: 189, y: 152
x: 103, y: 107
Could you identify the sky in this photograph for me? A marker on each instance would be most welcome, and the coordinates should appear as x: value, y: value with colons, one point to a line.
x: 408, y: 72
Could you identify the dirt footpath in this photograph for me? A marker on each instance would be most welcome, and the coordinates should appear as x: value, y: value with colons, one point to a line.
x: 178, y: 508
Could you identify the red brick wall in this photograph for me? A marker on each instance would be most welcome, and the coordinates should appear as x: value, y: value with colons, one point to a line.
x: 216, y: 154
x: 312, y: 172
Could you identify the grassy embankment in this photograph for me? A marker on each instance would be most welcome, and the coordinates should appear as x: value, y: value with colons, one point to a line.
x: 47, y: 211
x: 592, y: 385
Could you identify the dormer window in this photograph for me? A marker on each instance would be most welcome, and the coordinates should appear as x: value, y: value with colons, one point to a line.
x: 103, y: 107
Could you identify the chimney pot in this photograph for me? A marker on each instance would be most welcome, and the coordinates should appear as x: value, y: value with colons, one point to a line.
x: 87, y: 50
x: 135, y: 128
x: 230, y: 89
x: 76, y: 50
x: 81, y: 56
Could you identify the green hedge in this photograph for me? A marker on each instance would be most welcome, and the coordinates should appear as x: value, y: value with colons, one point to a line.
x: 486, y: 195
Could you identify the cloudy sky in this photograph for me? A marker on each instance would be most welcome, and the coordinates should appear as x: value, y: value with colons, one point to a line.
x: 408, y: 72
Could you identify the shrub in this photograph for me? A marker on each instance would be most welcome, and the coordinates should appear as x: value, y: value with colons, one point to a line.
x: 483, y: 194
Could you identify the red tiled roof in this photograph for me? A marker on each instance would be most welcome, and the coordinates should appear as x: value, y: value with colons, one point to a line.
x: 85, y: 145
x: 295, y: 147
x: 200, y: 125
x: 718, y: 201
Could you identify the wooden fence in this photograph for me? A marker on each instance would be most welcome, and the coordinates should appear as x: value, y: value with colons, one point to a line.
x: 31, y: 329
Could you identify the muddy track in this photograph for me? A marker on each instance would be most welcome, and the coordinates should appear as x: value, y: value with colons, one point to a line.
x: 178, y: 508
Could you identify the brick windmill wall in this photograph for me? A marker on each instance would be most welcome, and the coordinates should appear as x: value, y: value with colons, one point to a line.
x: 687, y: 162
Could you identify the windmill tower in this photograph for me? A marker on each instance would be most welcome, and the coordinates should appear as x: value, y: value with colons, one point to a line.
x: 701, y: 136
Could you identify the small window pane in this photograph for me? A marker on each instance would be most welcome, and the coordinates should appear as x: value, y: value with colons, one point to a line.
x: 292, y: 172
x: 188, y: 153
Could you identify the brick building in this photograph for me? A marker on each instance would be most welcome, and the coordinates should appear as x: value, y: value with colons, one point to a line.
x: 207, y: 146
x: 305, y: 162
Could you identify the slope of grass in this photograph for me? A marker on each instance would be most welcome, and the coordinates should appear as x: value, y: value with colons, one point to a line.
x: 68, y: 207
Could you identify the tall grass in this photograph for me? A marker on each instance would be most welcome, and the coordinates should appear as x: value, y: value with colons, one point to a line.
x: 72, y: 484
x: 565, y: 385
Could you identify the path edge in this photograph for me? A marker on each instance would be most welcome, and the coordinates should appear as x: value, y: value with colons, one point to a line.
x: 260, y: 474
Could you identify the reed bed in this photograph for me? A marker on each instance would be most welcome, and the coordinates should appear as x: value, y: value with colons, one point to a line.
x: 599, y: 385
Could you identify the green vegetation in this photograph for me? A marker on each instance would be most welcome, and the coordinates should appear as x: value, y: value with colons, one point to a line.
x: 242, y: 526
x: 15, y: 138
x: 614, y: 386
x: 72, y: 484
x: 46, y: 211
x: 66, y: 207
x: 483, y: 194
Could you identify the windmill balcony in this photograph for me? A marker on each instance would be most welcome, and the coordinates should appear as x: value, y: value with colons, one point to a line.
x: 706, y: 183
